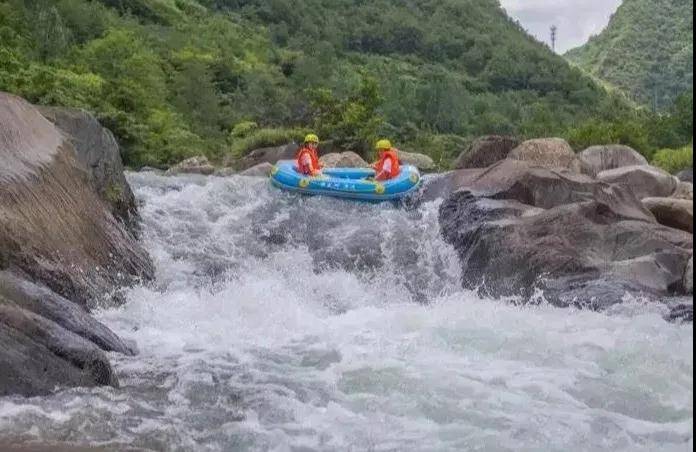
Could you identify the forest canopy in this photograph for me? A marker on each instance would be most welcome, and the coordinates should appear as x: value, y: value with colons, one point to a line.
x: 176, y: 78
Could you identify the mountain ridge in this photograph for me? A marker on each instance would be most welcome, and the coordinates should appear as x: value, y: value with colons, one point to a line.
x: 646, y: 51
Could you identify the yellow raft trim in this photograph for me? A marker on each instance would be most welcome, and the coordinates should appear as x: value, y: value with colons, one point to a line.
x: 414, y: 178
x: 304, y: 183
x: 379, y: 189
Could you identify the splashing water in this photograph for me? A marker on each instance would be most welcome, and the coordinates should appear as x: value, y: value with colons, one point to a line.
x: 284, y: 323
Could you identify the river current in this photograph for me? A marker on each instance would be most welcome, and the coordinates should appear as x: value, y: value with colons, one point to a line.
x: 285, y: 323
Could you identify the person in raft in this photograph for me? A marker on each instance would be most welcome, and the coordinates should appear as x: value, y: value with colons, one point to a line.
x: 308, y: 158
x: 387, y: 167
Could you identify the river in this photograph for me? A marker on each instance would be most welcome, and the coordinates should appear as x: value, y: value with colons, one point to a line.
x: 282, y: 323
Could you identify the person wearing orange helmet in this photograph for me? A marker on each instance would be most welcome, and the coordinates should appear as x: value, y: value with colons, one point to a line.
x: 387, y: 167
x: 308, y: 157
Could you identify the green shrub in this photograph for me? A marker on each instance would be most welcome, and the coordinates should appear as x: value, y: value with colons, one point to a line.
x: 597, y: 132
x: 243, y: 129
x: 263, y: 138
x: 674, y: 160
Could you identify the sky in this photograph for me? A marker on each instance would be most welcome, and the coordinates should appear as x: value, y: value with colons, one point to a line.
x: 576, y: 20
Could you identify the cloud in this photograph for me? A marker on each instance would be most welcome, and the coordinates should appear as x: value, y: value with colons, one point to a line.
x: 576, y: 20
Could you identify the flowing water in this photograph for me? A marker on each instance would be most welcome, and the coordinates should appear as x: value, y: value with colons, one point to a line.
x: 280, y: 323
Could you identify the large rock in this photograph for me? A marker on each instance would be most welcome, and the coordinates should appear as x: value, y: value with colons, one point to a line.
x: 685, y: 190
x: 587, y: 253
x: 41, y: 301
x: 53, y: 225
x: 260, y: 170
x: 486, y: 151
x: 38, y: 355
x: 347, y: 159
x: 672, y: 212
x: 540, y: 187
x: 548, y: 153
x: 686, y: 175
x: 643, y: 180
x: 596, y: 159
x: 265, y: 155
x: 56, y: 231
x: 420, y: 161
x: 193, y: 165
x: 98, y: 152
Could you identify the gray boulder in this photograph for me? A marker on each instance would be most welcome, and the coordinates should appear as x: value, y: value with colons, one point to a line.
x: 587, y: 253
x: 685, y: 190
x: 643, y: 180
x: 260, y: 170
x: 596, y: 159
x: 54, y: 227
x: 98, y: 152
x: 485, y: 151
x: 347, y: 159
x: 686, y: 175
x: 225, y: 172
x: 60, y: 244
x: 40, y: 300
x: 421, y: 161
x: 265, y: 155
x: 38, y: 355
x: 548, y: 153
x: 675, y: 213
x: 193, y: 165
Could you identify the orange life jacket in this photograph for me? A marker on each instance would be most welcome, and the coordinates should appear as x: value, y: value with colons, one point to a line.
x: 392, y: 155
x: 314, y: 158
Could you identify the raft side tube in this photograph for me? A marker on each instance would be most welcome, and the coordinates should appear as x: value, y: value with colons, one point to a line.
x: 334, y: 182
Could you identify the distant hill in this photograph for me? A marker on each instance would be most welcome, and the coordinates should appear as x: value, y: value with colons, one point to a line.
x: 174, y: 78
x: 646, y: 51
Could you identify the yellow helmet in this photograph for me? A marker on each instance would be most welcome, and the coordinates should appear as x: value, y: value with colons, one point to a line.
x: 311, y: 138
x: 383, y: 144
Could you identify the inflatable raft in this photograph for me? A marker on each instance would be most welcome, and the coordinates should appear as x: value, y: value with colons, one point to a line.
x: 351, y: 183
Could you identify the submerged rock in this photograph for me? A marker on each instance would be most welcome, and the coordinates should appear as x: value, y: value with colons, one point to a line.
x: 486, y: 151
x: 225, y: 172
x: 681, y: 313
x: 194, y: 165
x: 548, y: 153
x: 596, y: 159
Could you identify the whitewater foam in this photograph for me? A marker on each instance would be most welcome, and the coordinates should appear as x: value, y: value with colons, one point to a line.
x: 284, y: 323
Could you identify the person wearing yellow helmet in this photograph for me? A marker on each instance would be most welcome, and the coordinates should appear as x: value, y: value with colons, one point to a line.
x: 308, y: 157
x: 387, y: 166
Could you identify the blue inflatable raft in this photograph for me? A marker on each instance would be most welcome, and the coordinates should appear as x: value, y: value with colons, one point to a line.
x: 351, y: 183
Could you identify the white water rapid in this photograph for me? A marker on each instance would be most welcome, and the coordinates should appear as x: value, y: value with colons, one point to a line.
x: 279, y: 323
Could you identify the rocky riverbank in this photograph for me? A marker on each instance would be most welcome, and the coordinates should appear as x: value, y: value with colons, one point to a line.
x: 574, y: 230
x: 67, y: 244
